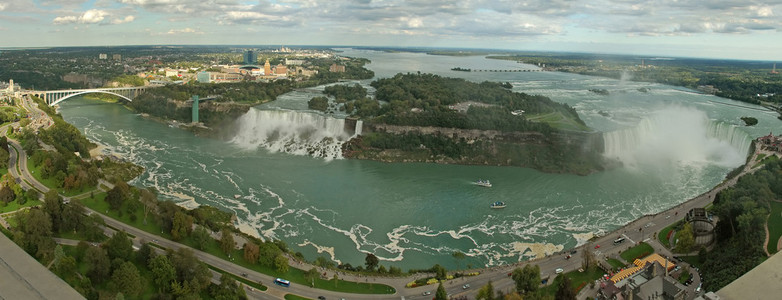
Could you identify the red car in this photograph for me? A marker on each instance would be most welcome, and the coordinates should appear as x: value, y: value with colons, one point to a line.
x: 597, y: 246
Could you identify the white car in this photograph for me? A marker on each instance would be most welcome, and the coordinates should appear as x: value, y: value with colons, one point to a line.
x: 427, y: 293
x: 559, y: 271
x: 466, y: 286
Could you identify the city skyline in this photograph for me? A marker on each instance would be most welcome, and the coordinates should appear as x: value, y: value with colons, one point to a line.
x: 710, y: 29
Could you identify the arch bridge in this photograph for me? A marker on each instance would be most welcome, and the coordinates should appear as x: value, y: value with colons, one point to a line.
x: 57, y: 96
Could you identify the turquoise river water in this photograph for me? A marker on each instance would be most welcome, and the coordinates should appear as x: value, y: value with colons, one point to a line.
x: 291, y: 185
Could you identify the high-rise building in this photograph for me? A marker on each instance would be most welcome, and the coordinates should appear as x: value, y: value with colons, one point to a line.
x: 11, y: 85
x: 117, y: 56
x: 267, y: 68
x: 102, y: 56
x: 203, y: 77
x: 250, y: 57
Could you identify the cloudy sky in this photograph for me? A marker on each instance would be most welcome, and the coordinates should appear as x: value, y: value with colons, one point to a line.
x: 743, y: 29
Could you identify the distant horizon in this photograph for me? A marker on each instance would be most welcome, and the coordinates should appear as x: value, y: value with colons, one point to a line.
x: 491, y: 50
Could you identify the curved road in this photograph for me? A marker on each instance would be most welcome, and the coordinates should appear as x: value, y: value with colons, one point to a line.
x: 635, y: 232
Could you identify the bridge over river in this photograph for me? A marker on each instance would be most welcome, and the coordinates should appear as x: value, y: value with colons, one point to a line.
x: 56, y: 96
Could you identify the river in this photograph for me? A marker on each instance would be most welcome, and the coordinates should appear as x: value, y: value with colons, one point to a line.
x: 674, y: 144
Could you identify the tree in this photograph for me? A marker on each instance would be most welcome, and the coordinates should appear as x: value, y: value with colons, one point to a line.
x: 144, y: 254
x: 564, y: 289
x: 686, y: 239
x: 149, y: 200
x: 441, y: 294
x: 162, y: 271
x: 281, y: 263
x: 201, y: 237
x: 371, y: 261
x: 310, y: 275
x: 35, y: 233
x: 527, y: 279
x: 127, y: 280
x: 227, y: 241
x: 486, y: 292
x: 251, y: 252
x: 440, y: 272
x: 115, y: 197
x: 181, y: 226
x: 193, y: 274
x: 73, y: 215
x: 98, y: 264
x: 6, y: 195
x: 119, y: 246
x: 29, y: 195
x: 227, y: 289
x: 459, y: 256
x: 52, y: 205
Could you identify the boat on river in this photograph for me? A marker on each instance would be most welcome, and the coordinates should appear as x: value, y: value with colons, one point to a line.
x: 237, y: 196
x: 498, y: 204
x: 483, y: 183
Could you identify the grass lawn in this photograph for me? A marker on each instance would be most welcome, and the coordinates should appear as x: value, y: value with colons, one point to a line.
x: 558, y: 121
x: 692, y: 260
x: 98, y: 204
x: 774, y: 226
x: 615, y: 263
x: 50, y: 183
x: 640, y: 251
x: 12, y: 206
x: 578, y: 280
x: 685, y: 275
x: 766, y: 160
x: 663, y: 235
x: 295, y: 297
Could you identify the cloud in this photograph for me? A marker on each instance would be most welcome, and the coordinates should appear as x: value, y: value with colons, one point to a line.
x: 91, y: 16
x: 127, y: 19
x: 187, y: 30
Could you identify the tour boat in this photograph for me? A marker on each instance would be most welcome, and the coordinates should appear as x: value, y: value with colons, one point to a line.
x: 483, y: 183
x: 498, y: 204
x: 237, y: 196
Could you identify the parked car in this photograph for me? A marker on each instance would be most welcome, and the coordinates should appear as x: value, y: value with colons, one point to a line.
x: 466, y: 286
x: 321, y: 298
x: 574, y: 252
x: 427, y: 293
x: 559, y: 271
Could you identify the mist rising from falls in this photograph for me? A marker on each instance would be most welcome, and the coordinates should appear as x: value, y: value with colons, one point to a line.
x: 678, y: 136
x: 293, y: 132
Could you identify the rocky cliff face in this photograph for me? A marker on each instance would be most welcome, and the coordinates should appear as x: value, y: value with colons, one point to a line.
x: 558, y: 152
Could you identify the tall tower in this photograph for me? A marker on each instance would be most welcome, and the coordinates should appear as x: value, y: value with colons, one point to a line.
x: 250, y: 57
x: 195, y: 109
x: 267, y: 68
x: 774, y: 70
x: 11, y: 85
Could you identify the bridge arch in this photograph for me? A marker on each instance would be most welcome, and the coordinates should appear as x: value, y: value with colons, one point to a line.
x: 88, y: 92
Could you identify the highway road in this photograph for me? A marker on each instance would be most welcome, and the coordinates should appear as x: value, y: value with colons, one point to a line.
x: 635, y: 232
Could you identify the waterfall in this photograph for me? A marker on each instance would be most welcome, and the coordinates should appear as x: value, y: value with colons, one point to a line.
x: 294, y: 132
x: 678, y: 135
